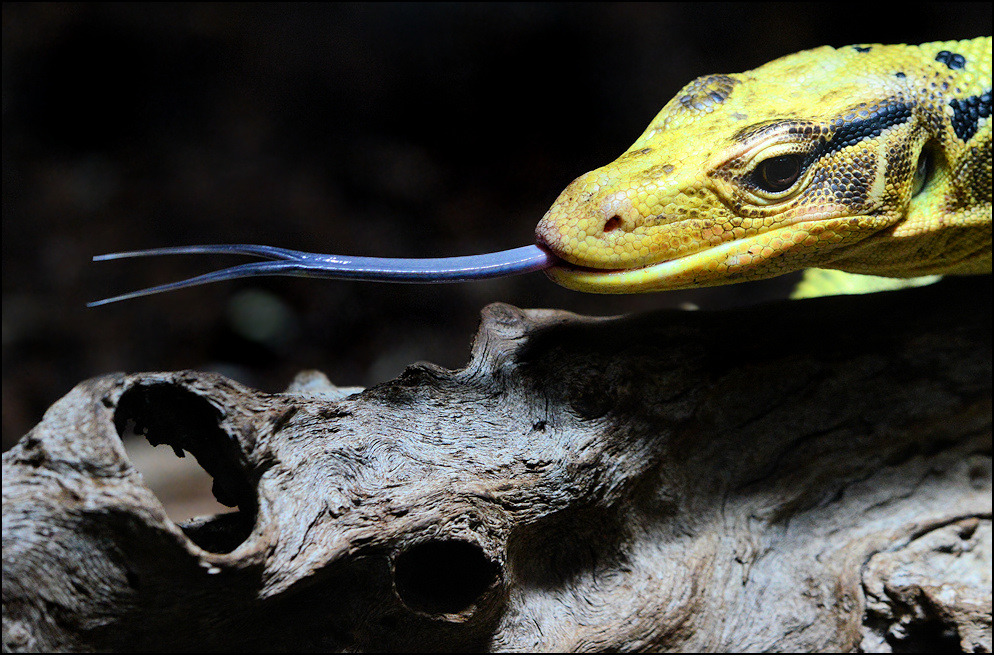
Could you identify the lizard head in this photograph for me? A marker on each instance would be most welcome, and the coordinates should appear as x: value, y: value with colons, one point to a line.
x: 818, y: 159
x: 739, y: 177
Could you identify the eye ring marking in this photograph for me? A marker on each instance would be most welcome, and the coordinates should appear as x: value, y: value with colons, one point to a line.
x: 777, y: 174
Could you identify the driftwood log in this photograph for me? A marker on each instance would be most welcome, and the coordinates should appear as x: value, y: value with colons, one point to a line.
x: 801, y: 476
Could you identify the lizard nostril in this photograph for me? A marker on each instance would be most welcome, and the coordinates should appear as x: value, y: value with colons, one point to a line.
x: 613, y: 223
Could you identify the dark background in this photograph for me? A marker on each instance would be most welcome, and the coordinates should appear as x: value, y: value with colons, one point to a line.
x: 391, y: 130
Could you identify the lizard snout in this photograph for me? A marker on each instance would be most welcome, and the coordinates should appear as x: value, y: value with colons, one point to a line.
x: 618, y: 213
x: 591, y: 228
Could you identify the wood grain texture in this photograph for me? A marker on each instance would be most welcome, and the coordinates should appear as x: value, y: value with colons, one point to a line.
x: 809, y: 475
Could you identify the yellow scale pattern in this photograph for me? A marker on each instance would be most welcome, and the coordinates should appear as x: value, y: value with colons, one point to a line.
x: 871, y: 159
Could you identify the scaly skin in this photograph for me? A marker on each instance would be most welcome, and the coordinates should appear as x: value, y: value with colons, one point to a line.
x: 871, y: 159
x: 892, y: 149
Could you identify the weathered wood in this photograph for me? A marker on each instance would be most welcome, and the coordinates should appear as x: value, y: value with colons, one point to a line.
x: 811, y: 475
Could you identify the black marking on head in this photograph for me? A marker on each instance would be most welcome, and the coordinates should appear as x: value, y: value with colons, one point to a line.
x: 968, y: 112
x: 862, y: 48
x: 705, y: 93
x: 861, y: 125
x: 953, y: 60
x: 900, y: 76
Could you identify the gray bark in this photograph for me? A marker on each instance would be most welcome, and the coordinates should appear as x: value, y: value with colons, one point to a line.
x: 808, y: 475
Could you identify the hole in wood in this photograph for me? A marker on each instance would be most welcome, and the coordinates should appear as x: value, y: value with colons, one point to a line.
x: 932, y: 635
x: 163, y: 414
x: 443, y: 577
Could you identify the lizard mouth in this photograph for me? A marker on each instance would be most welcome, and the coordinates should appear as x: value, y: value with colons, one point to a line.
x: 764, y: 255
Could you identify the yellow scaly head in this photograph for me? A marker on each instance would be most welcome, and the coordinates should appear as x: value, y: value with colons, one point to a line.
x: 867, y: 159
x: 818, y: 159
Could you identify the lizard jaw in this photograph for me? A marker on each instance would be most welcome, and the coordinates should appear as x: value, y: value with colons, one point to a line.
x: 761, y: 256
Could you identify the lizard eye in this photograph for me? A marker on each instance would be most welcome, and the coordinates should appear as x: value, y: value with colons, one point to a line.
x: 777, y: 174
